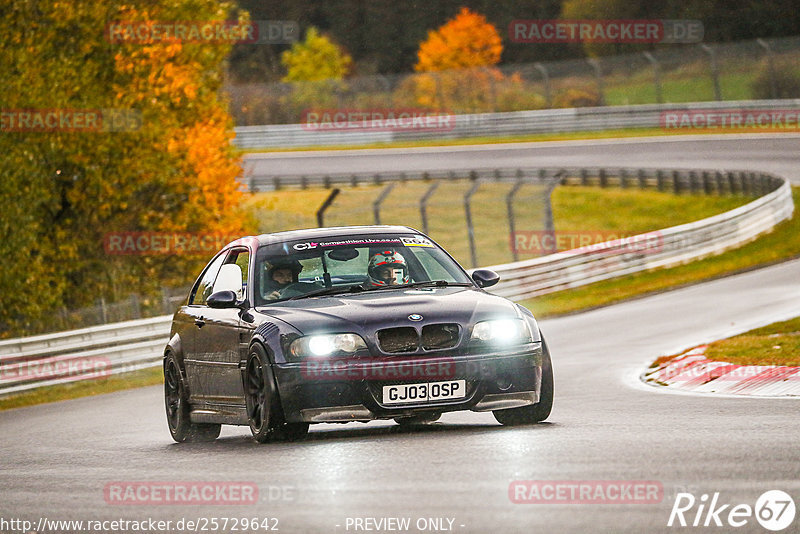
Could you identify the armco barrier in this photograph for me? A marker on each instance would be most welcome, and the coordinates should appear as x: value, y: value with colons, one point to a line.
x: 138, y: 344
x: 497, y: 124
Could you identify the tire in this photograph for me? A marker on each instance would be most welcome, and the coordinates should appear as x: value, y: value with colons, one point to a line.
x: 417, y: 420
x: 535, y: 413
x: 259, y: 394
x: 176, y: 403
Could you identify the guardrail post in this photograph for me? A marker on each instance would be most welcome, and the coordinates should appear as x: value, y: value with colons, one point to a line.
x: 376, y: 206
x: 656, y: 76
x: 598, y: 74
x: 546, y: 80
x: 623, y: 178
x: 353, y: 180
x: 694, y: 183
x: 676, y: 182
x: 731, y: 183
x: 303, y: 182
x: 470, y: 229
x: 642, y: 179
x: 584, y: 177
x: 512, y: 228
x: 276, y: 183
x: 660, y: 180
x: 745, y: 186
x: 706, y: 182
x: 325, y: 205
x: 720, y: 180
x: 773, y: 87
x: 326, y: 182
x: 603, y: 178
x: 423, y: 206
x: 712, y: 58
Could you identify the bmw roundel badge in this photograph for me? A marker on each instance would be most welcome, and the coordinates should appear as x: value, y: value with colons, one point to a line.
x: 415, y: 317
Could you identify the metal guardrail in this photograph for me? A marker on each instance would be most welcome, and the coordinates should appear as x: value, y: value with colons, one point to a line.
x: 27, y: 363
x: 496, y: 124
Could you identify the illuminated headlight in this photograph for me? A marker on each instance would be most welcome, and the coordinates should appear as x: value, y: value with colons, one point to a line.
x: 502, y: 332
x: 325, y: 345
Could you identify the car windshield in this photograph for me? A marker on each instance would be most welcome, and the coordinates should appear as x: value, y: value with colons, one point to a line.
x: 296, y: 269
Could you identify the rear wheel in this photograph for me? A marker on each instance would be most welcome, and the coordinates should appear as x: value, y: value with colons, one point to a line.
x: 535, y: 413
x: 176, y: 402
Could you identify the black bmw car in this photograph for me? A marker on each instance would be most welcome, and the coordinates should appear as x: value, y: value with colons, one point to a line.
x: 334, y: 325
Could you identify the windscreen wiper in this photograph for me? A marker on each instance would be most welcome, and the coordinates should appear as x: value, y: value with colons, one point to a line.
x: 356, y: 288
x: 434, y: 283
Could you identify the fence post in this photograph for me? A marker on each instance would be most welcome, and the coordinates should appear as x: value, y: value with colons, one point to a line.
x: 549, y: 225
x: 598, y: 74
x: 712, y: 57
x: 376, y: 206
x: 546, y: 79
x: 656, y: 76
x: 325, y: 205
x: 511, y: 221
x: 470, y: 229
x: 423, y: 206
x: 773, y: 87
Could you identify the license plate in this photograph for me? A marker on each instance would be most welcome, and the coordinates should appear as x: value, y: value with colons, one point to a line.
x: 424, y: 392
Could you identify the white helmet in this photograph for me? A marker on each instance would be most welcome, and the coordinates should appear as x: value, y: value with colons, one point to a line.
x: 378, y: 264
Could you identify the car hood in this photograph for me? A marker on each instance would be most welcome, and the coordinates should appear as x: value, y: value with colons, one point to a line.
x: 371, y: 310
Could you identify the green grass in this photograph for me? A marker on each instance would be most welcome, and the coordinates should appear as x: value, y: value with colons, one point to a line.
x: 134, y: 379
x: 781, y: 244
x: 775, y: 344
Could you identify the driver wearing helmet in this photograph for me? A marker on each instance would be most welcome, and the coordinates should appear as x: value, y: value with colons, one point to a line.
x: 387, y: 268
x: 279, y: 276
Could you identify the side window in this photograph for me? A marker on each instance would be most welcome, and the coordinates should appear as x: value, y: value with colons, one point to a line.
x: 241, y: 257
x: 202, y: 289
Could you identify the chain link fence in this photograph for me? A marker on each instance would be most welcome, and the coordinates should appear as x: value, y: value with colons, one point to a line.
x: 757, y: 69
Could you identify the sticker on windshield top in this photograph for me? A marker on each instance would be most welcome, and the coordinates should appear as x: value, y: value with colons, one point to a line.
x: 416, y: 242
x: 365, y: 241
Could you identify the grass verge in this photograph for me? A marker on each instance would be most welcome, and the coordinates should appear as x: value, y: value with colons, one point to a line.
x: 782, y: 244
x: 134, y: 379
x: 774, y: 344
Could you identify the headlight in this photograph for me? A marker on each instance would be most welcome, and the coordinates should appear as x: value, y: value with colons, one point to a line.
x: 502, y: 332
x: 325, y: 345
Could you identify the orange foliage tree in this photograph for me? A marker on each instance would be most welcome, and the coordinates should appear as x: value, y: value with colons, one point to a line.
x: 462, y: 53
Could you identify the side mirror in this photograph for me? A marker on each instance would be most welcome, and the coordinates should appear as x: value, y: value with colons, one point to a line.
x: 229, y: 279
x: 485, y: 277
x: 222, y: 299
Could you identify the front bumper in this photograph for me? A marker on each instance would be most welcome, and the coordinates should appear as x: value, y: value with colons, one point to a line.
x: 352, y: 391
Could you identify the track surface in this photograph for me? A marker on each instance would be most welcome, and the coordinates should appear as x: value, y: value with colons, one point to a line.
x: 57, y: 458
x: 764, y: 152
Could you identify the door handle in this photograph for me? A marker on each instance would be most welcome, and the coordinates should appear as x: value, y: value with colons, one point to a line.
x: 201, y: 322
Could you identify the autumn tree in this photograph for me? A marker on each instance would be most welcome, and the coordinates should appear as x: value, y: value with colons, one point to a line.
x: 172, y: 168
x: 462, y: 53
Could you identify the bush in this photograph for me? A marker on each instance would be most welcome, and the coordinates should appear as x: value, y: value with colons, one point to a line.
x: 576, y: 98
x: 787, y: 81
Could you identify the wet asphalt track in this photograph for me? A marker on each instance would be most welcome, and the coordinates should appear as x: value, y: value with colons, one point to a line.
x: 56, y: 459
x: 763, y: 152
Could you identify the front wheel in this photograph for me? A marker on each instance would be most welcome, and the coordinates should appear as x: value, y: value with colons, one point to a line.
x: 176, y: 402
x: 535, y: 413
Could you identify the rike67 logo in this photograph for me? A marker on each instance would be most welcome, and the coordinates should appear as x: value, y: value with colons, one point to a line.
x: 774, y: 510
